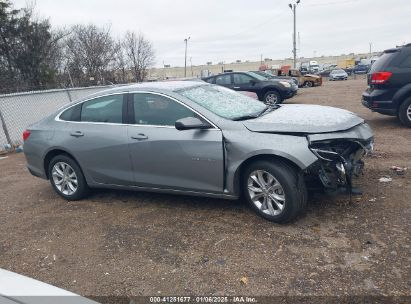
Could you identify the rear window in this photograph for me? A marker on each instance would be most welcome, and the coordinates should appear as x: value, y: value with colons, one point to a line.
x: 381, y: 62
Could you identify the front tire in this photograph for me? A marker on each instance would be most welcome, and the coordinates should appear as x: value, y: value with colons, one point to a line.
x: 67, y: 179
x: 274, y: 190
x: 272, y: 98
x: 404, y: 112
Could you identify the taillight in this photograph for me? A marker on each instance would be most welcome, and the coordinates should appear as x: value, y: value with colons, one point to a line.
x: 26, y: 135
x: 380, y: 77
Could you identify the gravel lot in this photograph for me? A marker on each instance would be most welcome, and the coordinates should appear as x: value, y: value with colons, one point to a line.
x: 130, y: 243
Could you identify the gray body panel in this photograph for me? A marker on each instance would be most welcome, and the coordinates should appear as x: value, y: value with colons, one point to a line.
x: 196, y: 162
x: 173, y: 159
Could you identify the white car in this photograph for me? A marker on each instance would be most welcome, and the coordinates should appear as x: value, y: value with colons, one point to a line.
x: 16, y: 288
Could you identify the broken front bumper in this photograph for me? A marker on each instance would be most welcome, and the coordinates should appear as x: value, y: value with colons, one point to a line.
x: 340, y: 156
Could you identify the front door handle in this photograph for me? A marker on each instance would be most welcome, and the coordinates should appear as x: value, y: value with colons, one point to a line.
x: 140, y: 136
x: 236, y: 88
x: 77, y: 134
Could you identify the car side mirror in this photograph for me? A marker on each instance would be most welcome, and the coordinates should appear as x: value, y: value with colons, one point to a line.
x: 253, y: 82
x: 190, y: 123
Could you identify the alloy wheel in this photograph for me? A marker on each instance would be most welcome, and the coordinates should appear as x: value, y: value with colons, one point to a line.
x: 409, y: 112
x: 64, y: 178
x: 266, y: 192
x: 271, y: 99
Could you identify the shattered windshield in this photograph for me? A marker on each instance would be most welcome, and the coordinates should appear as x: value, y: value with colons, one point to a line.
x: 223, y: 102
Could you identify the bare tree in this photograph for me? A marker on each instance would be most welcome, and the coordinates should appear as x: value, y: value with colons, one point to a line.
x: 120, y: 65
x: 140, y: 54
x: 90, y: 51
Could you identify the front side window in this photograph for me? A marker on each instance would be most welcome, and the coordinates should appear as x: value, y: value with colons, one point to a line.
x: 158, y: 110
x: 242, y: 79
x: 223, y: 80
x: 107, y: 109
x: 223, y: 102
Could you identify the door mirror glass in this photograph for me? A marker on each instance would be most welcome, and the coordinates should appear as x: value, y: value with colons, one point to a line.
x: 190, y: 123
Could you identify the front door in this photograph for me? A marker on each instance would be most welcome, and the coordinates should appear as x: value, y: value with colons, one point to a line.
x: 164, y: 157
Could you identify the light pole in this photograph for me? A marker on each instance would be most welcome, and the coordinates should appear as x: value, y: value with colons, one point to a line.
x: 185, y: 57
x: 293, y: 8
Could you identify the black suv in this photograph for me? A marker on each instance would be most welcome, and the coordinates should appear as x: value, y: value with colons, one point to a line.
x: 270, y: 91
x: 389, y: 82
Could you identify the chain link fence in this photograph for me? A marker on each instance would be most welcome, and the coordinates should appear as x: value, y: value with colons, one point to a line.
x: 19, y: 110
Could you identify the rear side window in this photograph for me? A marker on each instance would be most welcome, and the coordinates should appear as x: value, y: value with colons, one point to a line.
x: 406, y: 63
x: 210, y: 80
x: 107, y: 109
x: 71, y: 114
x: 382, y: 62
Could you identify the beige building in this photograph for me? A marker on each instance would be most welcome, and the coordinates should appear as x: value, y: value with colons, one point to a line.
x: 195, y: 71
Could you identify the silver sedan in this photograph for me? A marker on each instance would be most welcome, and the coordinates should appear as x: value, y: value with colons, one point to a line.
x: 338, y: 74
x: 198, y: 139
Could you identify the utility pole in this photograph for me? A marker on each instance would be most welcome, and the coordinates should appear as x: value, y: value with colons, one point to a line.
x: 293, y: 8
x: 185, y: 57
x: 370, y: 47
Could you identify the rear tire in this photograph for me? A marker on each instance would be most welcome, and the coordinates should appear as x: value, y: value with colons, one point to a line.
x: 67, y: 178
x: 275, y: 190
x: 404, y: 112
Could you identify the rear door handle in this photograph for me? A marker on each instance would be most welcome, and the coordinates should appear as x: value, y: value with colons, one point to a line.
x: 77, y: 134
x: 236, y: 88
x: 140, y: 136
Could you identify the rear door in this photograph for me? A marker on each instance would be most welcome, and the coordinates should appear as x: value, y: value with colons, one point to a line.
x: 94, y: 133
x: 164, y: 157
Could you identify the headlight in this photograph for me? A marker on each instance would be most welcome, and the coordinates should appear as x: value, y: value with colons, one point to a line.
x: 286, y: 84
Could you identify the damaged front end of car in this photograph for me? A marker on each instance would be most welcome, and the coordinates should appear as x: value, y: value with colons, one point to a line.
x: 340, y: 159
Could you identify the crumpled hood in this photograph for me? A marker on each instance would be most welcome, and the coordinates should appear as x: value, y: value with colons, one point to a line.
x: 307, y: 119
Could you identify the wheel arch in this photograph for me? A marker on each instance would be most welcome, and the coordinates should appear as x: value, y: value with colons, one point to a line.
x: 239, y: 171
x: 53, y: 153
x: 402, y: 94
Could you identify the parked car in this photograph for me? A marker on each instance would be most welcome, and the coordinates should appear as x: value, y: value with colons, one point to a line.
x: 338, y: 74
x: 306, y: 80
x: 198, y: 139
x: 389, y: 82
x: 268, y: 91
x: 268, y: 75
x: 19, y: 289
x: 325, y: 73
x: 361, y: 69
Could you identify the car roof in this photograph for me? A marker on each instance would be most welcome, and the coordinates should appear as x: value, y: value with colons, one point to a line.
x: 160, y: 87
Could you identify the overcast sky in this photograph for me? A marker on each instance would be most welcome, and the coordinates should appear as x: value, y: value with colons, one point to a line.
x: 227, y: 30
